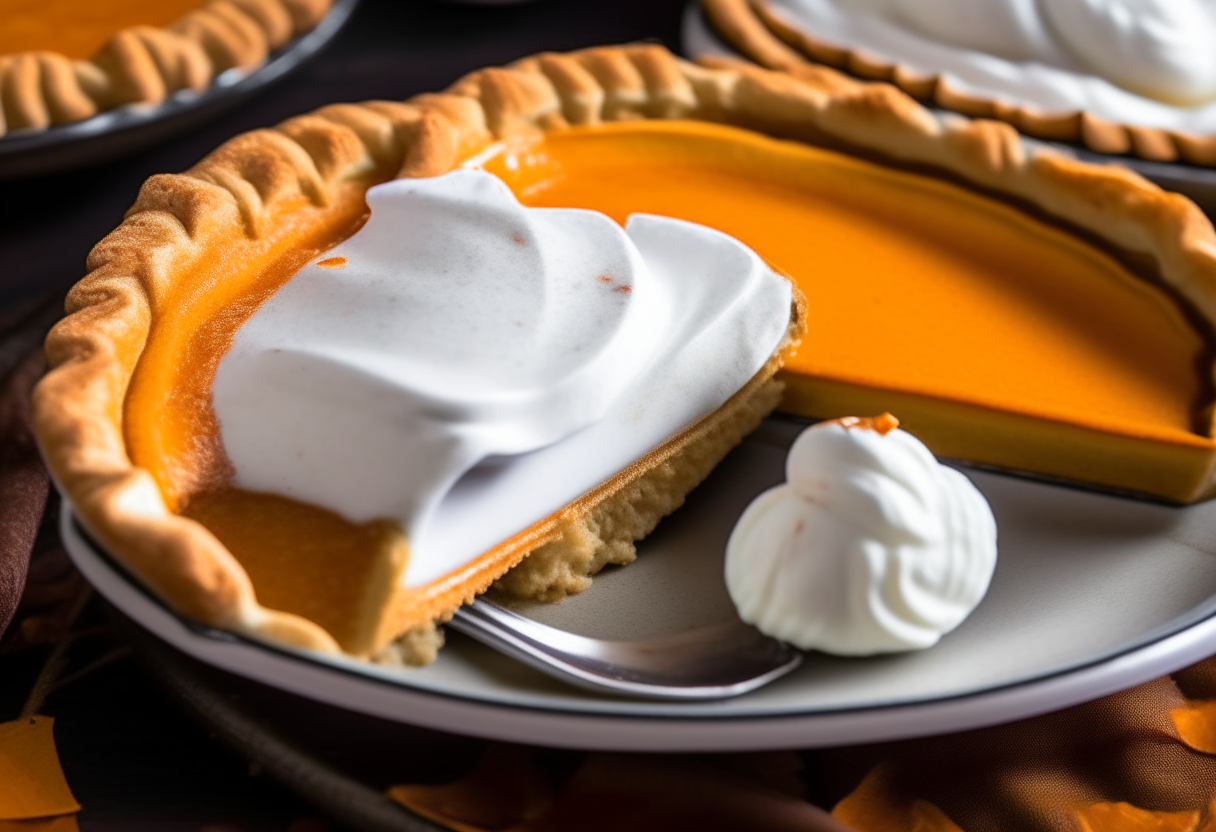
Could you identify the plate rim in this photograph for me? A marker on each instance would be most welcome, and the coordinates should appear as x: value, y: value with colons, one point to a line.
x: 334, y: 684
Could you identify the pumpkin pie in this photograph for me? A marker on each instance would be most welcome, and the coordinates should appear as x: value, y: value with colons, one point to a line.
x: 63, y: 61
x: 1119, y: 78
x: 1013, y: 307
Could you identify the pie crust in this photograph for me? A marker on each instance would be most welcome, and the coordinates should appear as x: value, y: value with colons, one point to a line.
x: 752, y: 27
x: 146, y: 64
x: 249, y: 195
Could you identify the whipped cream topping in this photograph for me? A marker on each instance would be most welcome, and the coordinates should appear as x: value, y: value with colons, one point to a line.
x: 466, y: 366
x: 871, y: 546
x: 1145, y: 62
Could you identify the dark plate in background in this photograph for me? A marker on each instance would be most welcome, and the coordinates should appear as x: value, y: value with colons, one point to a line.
x: 121, y: 131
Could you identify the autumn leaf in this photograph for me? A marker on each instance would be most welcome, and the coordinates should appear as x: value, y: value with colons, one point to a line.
x: 29, y: 768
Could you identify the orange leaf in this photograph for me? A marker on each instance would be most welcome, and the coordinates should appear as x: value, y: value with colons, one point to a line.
x: 30, y: 771
x: 1196, y: 724
x: 59, y: 823
x: 1124, y: 817
x: 876, y: 805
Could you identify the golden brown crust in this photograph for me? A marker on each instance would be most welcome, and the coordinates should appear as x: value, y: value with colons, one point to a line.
x: 145, y: 64
x: 559, y: 555
x: 323, y: 159
x: 598, y: 535
x: 764, y: 36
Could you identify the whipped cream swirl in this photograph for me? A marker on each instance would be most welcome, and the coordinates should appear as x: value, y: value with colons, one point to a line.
x: 1145, y: 62
x: 870, y: 547
x: 466, y: 366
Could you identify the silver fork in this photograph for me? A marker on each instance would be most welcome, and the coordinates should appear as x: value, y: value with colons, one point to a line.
x: 712, y: 662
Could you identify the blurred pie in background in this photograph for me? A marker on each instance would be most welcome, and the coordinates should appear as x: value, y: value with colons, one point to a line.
x: 1127, y: 76
x: 63, y: 61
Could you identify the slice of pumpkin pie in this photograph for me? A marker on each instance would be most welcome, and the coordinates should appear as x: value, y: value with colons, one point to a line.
x: 345, y: 374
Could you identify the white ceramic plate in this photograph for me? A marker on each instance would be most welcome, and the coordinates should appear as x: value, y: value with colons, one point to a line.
x: 1092, y: 594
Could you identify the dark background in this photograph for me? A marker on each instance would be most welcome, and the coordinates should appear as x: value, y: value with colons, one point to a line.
x: 132, y: 756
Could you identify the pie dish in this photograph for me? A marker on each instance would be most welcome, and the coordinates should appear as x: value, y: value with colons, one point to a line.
x: 1026, y: 92
x: 66, y: 61
x: 627, y: 129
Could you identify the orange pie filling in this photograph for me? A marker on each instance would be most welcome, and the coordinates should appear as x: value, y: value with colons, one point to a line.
x: 995, y: 337
x: 78, y: 28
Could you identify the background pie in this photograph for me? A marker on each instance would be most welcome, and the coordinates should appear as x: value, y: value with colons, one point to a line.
x: 759, y: 30
x: 67, y: 60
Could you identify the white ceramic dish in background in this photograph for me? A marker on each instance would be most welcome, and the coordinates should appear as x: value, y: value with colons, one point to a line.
x: 698, y: 39
x: 1092, y: 594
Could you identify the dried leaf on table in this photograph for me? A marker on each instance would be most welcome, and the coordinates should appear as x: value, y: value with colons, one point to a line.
x: 1124, y: 817
x: 1134, y: 761
x: 34, y: 785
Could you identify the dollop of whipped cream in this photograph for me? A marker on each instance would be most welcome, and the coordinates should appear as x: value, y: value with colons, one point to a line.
x: 871, y: 546
x: 466, y: 366
x: 1147, y: 62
